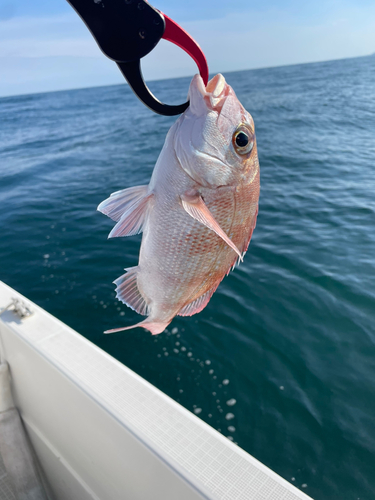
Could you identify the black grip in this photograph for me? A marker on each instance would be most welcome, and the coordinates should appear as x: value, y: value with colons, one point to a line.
x: 133, y: 73
x: 125, y: 30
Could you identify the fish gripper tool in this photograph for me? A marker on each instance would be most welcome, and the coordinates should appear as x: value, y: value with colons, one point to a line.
x: 126, y: 31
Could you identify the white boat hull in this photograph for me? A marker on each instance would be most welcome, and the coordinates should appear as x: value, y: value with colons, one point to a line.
x: 100, y: 431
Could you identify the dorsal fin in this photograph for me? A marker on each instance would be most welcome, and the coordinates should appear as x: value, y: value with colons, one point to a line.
x: 198, y: 304
x: 119, y: 202
x: 127, y: 291
x: 129, y: 208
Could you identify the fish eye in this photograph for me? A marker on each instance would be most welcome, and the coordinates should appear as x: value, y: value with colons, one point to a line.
x: 243, y: 140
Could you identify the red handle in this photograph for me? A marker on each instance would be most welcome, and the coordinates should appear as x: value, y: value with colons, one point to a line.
x: 177, y: 35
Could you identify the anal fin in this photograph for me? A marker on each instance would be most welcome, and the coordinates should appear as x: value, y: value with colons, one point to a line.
x: 198, y: 304
x: 127, y: 291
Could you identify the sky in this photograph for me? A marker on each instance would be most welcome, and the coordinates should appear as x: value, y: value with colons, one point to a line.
x: 44, y: 45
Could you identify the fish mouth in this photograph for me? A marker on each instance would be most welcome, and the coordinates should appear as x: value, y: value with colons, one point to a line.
x: 214, y: 95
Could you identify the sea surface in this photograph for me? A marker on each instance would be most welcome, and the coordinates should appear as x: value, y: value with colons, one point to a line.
x: 282, y: 360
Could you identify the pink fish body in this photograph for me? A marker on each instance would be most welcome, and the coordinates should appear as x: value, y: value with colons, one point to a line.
x: 198, y: 212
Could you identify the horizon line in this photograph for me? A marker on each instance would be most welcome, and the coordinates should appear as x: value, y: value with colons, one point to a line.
x: 181, y: 77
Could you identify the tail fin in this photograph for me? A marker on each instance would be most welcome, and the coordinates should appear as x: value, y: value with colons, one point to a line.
x: 154, y: 327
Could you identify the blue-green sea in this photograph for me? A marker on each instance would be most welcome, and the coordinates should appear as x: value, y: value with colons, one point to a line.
x: 282, y: 360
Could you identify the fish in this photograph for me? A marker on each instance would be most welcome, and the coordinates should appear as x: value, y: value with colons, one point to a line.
x: 197, y: 213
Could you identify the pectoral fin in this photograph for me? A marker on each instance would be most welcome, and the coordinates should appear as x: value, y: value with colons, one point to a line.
x: 196, y: 208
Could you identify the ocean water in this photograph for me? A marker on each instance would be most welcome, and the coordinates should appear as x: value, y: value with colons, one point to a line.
x: 282, y: 360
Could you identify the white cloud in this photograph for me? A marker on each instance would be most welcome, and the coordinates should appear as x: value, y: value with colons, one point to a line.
x: 34, y: 48
x: 40, y: 54
x: 256, y: 40
x: 63, y: 35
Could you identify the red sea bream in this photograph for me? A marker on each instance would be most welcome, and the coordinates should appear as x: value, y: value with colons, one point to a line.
x: 197, y: 213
